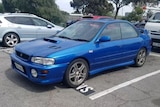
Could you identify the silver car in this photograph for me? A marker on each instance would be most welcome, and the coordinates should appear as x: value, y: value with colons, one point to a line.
x: 17, y: 27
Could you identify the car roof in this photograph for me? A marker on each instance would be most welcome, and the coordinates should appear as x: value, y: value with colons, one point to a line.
x: 96, y: 17
x: 18, y: 14
x: 107, y: 20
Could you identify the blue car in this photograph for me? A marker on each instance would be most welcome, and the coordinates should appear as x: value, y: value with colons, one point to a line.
x: 85, y: 48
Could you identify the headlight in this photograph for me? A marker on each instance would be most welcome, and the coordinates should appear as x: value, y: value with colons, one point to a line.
x: 43, y: 61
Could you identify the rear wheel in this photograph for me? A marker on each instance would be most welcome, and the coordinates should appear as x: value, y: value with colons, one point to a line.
x: 10, y: 39
x: 141, y: 57
x: 76, y: 73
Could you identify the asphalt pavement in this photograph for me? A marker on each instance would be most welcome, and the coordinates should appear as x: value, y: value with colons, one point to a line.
x: 122, y: 87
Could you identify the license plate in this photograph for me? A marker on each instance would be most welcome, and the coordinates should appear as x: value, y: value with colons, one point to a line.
x: 156, y: 44
x: 19, y: 67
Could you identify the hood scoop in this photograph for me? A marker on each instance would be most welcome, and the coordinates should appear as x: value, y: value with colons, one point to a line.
x: 50, y: 40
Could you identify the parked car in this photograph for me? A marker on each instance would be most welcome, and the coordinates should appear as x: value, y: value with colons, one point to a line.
x: 85, y: 48
x: 93, y: 17
x: 16, y: 27
x: 153, y: 26
x: 140, y: 25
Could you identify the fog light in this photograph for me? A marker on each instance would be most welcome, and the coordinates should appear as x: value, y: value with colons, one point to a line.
x: 34, y: 73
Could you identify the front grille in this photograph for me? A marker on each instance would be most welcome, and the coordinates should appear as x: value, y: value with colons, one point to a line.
x: 155, y: 33
x: 156, y: 40
x: 22, y: 55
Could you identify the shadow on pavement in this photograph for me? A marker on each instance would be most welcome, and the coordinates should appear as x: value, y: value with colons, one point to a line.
x: 27, y: 84
x: 157, y: 50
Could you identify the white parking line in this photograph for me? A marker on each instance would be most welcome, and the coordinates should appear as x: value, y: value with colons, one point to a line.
x: 7, y: 50
x: 154, y: 54
x: 108, y: 91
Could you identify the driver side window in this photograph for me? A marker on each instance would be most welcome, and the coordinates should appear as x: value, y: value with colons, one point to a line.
x: 112, y: 30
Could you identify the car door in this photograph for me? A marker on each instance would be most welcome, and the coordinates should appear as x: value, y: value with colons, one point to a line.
x: 108, y: 54
x: 44, y: 29
x: 131, y: 41
x: 25, y: 27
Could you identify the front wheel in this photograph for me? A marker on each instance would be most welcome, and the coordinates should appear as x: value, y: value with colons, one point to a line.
x: 77, y: 73
x: 141, y: 57
x: 10, y: 39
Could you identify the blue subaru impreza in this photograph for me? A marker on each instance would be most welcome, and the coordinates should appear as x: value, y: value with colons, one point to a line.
x: 85, y: 48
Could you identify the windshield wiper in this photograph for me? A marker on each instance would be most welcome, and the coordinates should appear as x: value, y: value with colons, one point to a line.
x: 81, y: 40
x: 64, y: 37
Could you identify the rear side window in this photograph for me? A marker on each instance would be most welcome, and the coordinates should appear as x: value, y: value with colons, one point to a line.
x: 20, y: 20
x: 10, y: 19
x: 128, y: 31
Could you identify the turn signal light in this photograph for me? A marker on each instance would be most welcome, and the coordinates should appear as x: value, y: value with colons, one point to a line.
x: 44, y: 72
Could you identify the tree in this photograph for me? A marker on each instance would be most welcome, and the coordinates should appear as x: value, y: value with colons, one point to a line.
x: 78, y: 5
x: 96, y: 7
x: 135, y: 15
x: 144, y: 2
x: 119, y: 4
x: 43, y: 8
x: 8, y: 5
x: 1, y: 8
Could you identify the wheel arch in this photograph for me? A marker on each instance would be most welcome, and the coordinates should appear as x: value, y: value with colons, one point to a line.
x: 147, y: 50
x: 4, y: 42
x: 11, y: 32
x: 85, y: 59
x: 65, y: 76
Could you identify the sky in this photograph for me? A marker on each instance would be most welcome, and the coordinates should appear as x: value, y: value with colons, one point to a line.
x: 65, y: 6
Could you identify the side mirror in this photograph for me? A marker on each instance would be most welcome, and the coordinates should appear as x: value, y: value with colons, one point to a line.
x: 49, y: 26
x: 141, y: 30
x: 104, y: 39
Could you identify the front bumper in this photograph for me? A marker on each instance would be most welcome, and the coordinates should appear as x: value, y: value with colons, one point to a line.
x: 55, y: 72
x: 155, y: 40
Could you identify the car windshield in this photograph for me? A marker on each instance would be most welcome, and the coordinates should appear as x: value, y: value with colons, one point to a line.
x: 81, y: 31
x: 155, y: 18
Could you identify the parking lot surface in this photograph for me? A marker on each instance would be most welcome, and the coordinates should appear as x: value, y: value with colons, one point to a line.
x: 123, y: 87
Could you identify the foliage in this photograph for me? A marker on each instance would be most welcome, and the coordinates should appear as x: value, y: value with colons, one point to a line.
x: 119, y: 4
x: 1, y: 8
x: 144, y: 2
x: 96, y: 7
x: 78, y: 5
x: 135, y: 15
x: 43, y: 8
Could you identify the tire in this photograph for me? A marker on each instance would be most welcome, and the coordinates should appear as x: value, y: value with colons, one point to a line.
x: 141, y: 57
x: 77, y: 73
x: 10, y: 39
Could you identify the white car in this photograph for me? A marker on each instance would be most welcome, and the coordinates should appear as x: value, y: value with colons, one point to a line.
x: 17, y: 27
x: 153, y: 26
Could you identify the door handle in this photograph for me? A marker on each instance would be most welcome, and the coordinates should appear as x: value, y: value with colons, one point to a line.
x: 19, y: 27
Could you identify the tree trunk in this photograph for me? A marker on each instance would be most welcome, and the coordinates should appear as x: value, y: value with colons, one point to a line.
x: 117, y: 10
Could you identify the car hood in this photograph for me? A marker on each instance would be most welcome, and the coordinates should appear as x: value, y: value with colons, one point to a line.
x: 45, y: 47
x: 152, y: 26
